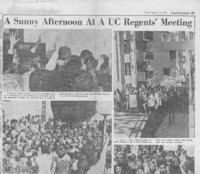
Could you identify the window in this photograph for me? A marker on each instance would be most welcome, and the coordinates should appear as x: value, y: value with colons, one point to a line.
x: 126, y: 35
x: 127, y: 46
x: 172, y: 55
x: 127, y: 69
x: 149, y: 56
x: 191, y: 35
x: 141, y: 66
x: 183, y: 71
x: 174, y: 36
x: 149, y: 75
x: 181, y: 53
x: 182, y: 36
x: 165, y: 37
x: 141, y: 46
x: 148, y: 35
x: 166, y: 71
x: 182, y: 58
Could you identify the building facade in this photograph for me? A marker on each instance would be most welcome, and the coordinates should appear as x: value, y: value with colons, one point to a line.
x: 149, y: 57
x: 125, y: 60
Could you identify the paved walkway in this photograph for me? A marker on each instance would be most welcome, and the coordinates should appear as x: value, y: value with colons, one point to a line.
x: 178, y: 129
x: 129, y: 125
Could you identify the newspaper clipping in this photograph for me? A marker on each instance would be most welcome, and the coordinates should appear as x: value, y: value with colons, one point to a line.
x: 98, y: 94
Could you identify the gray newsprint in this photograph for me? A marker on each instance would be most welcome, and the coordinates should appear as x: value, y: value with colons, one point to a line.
x: 156, y: 159
x: 154, y: 84
x: 57, y: 137
x: 56, y: 60
x: 123, y: 90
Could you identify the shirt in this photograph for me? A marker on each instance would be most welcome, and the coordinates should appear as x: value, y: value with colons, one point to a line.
x: 52, y: 62
x: 158, y: 172
x: 61, y: 164
x: 151, y: 101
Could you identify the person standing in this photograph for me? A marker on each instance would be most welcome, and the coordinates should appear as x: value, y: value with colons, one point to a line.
x: 144, y: 100
x: 171, y: 107
x: 139, y: 100
x: 61, y: 161
x: 128, y: 93
x: 157, y: 102
x: 151, y: 102
x: 11, y: 59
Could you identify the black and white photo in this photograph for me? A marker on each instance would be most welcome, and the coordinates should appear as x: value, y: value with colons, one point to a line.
x: 68, y: 137
x: 154, y: 159
x: 154, y: 82
x: 57, y: 60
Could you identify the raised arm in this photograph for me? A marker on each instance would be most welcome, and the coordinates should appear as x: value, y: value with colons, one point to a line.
x: 52, y: 168
x: 99, y: 167
x: 53, y: 60
x: 36, y: 45
x: 13, y: 41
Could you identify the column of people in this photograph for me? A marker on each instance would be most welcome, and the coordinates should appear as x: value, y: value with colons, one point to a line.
x: 150, y: 99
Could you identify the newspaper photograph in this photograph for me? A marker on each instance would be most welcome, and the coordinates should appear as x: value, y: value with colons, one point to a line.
x: 156, y: 159
x: 57, y: 137
x: 154, y: 84
x: 57, y: 60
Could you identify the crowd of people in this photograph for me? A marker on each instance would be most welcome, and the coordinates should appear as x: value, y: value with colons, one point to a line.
x: 35, y: 145
x: 55, y: 71
x: 150, y: 99
x: 148, y: 159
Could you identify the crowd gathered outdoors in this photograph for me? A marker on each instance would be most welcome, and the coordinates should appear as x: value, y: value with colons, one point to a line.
x: 154, y: 99
x: 54, y: 70
x: 152, y: 159
x: 33, y: 145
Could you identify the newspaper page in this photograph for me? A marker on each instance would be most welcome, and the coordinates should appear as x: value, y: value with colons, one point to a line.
x: 94, y: 88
